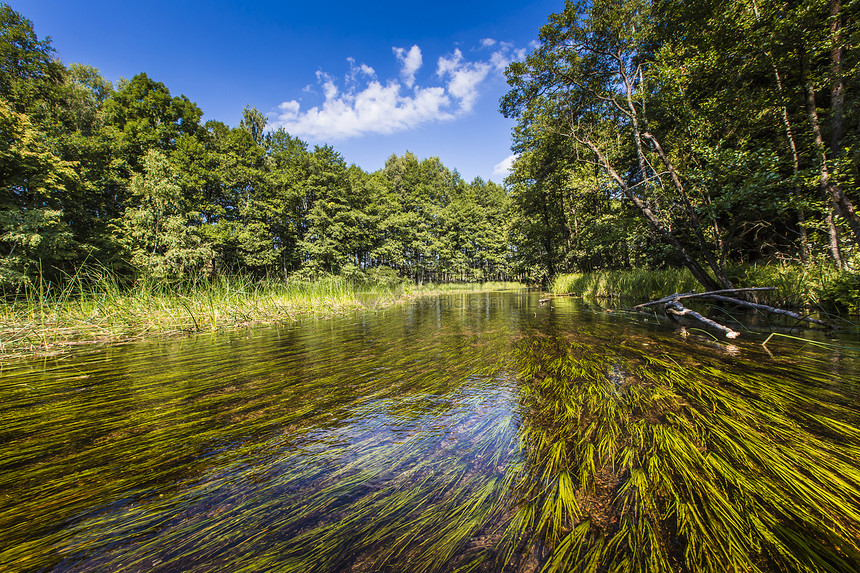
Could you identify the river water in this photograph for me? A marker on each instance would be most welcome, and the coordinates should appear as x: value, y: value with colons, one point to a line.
x: 479, y: 432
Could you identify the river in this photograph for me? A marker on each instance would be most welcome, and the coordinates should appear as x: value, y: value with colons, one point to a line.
x: 468, y: 432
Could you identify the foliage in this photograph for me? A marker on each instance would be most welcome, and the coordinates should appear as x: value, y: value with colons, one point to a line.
x: 698, y: 133
x: 127, y: 178
x: 636, y: 284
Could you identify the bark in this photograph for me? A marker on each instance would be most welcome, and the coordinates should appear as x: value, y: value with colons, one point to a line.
x: 699, y: 273
x: 677, y: 296
x: 672, y: 306
x: 839, y: 203
x: 769, y: 309
x: 677, y: 310
x: 646, y: 169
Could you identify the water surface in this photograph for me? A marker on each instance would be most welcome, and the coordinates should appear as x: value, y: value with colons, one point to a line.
x: 467, y: 432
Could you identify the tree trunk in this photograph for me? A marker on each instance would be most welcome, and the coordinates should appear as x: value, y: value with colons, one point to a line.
x: 645, y: 167
x: 839, y: 203
x: 837, y: 88
x: 696, y: 269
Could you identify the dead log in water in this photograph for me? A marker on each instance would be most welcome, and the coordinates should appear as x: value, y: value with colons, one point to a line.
x: 674, y: 309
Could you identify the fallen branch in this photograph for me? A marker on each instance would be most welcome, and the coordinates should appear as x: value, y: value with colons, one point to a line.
x: 771, y: 309
x: 676, y: 296
x: 677, y: 309
x: 673, y: 308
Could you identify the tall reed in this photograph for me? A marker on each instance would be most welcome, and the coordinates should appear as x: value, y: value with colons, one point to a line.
x: 632, y: 284
x: 96, y: 305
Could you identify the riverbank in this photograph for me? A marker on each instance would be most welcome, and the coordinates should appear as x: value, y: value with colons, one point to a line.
x: 45, y: 320
x: 818, y: 287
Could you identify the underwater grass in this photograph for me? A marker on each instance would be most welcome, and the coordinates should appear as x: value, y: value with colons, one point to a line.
x: 652, y: 465
x: 503, y: 439
x: 95, y: 307
x: 314, y: 452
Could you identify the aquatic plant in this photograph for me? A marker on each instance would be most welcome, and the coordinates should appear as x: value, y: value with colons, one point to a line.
x: 641, y: 462
x: 96, y: 306
x: 452, y: 437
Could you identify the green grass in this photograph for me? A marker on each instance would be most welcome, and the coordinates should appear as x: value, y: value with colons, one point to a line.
x: 817, y: 285
x: 633, y: 284
x: 523, y: 446
x: 96, y: 307
x: 638, y: 464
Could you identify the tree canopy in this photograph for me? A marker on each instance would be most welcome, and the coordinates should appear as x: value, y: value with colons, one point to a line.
x: 649, y: 133
x: 127, y: 177
x: 660, y: 132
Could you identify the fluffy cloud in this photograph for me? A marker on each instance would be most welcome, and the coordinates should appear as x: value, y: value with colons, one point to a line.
x: 410, y: 61
x: 365, y: 105
x: 503, y: 168
x: 375, y: 109
x: 464, y: 78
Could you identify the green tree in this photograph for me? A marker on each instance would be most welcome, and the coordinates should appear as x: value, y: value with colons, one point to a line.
x: 33, y: 234
x: 159, y: 233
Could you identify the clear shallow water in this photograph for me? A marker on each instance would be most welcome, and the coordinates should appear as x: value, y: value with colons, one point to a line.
x: 472, y: 432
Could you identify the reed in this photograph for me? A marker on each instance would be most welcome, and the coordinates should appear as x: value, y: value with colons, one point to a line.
x: 95, y: 306
x: 638, y: 284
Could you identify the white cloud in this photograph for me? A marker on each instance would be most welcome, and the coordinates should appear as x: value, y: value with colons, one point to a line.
x: 363, y: 104
x: 504, y: 167
x: 410, y: 61
x: 375, y: 109
x: 356, y: 71
x: 464, y: 78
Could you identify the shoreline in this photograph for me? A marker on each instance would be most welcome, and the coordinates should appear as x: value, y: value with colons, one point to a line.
x: 45, y: 328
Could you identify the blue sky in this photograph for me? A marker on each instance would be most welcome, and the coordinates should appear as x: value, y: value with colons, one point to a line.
x: 368, y: 78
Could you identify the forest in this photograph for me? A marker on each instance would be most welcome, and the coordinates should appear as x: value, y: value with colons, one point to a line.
x: 649, y: 134
x: 697, y: 133
x: 129, y: 179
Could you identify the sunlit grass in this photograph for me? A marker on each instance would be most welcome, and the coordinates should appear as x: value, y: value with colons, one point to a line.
x: 96, y: 306
x: 639, y: 284
x: 482, y: 441
x: 648, y: 465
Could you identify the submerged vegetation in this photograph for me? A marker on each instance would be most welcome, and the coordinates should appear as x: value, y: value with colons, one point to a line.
x: 642, y: 462
x: 519, y: 438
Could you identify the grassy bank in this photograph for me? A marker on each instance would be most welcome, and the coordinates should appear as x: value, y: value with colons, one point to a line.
x: 43, y: 318
x: 628, y: 284
x: 814, y: 286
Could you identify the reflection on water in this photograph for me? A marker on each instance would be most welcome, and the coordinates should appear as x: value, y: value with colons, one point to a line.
x: 467, y: 432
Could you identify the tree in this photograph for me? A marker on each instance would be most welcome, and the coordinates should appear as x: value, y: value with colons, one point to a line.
x: 326, y: 245
x: 142, y: 115
x: 589, y: 80
x: 28, y: 71
x: 32, y: 178
x: 159, y: 233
